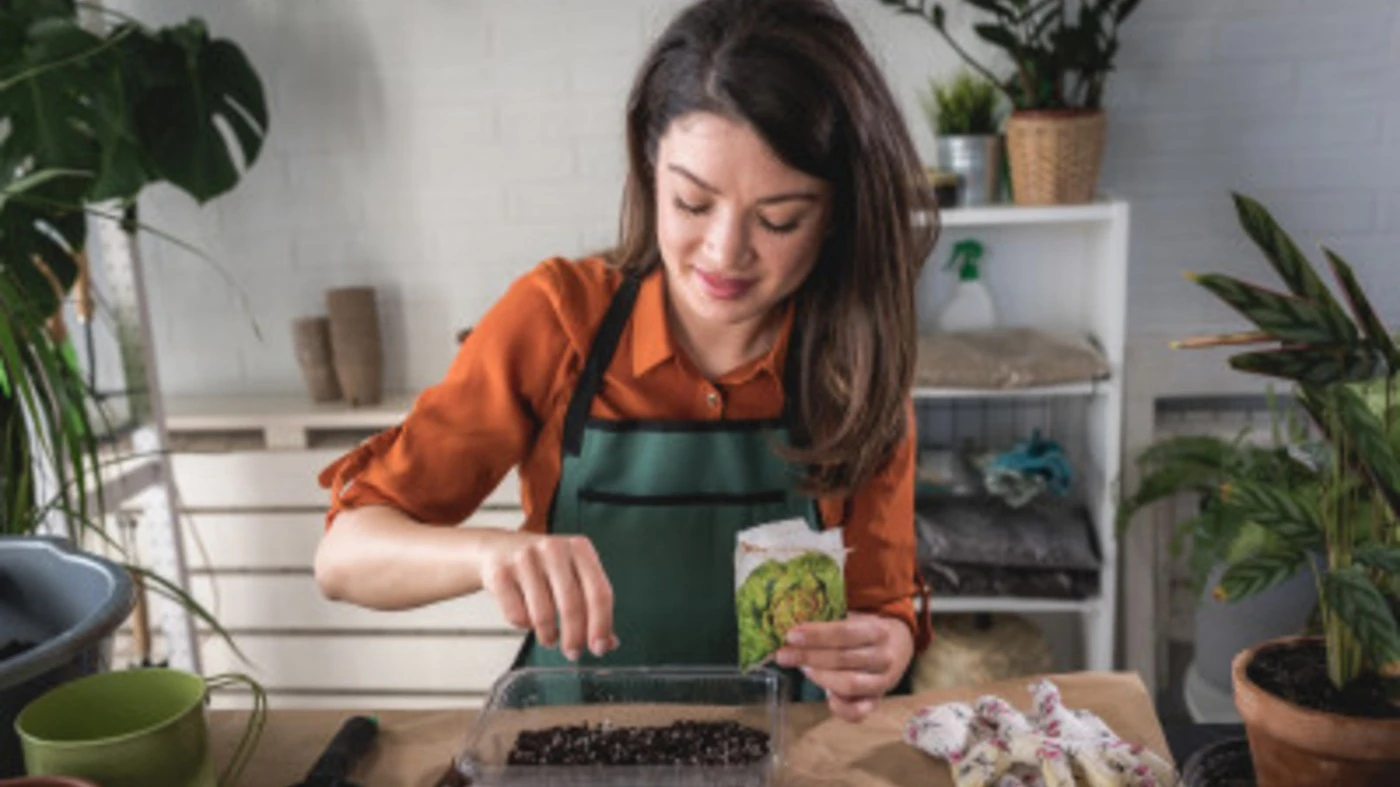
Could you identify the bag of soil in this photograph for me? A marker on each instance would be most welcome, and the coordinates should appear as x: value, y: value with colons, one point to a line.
x: 785, y: 573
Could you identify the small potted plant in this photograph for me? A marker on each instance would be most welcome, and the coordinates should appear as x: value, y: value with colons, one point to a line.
x: 964, y: 115
x: 1322, y: 711
x: 1061, y: 54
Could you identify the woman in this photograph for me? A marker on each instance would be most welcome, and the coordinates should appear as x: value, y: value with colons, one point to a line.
x: 743, y: 356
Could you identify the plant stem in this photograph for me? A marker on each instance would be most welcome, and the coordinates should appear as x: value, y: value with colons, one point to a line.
x: 967, y: 57
x: 29, y: 74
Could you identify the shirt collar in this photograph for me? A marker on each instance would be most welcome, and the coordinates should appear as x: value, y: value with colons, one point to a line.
x: 653, y: 343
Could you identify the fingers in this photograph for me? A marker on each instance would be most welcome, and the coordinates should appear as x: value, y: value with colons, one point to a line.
x: 557, y: 557
x: 853, y: 632
x: 854, y: 711
x: 867, y: 659
x: 556, y: 585
x: 597, y: 595
x: 852, y: 686
x: 534, y: 583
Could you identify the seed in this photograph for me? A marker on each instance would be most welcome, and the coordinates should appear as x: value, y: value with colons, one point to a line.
x: 680, y: 743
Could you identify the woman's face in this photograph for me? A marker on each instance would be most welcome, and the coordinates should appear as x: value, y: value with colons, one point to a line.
x: 738, y: 229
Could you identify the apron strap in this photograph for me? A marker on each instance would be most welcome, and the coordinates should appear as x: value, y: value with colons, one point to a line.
x: 600, y: 355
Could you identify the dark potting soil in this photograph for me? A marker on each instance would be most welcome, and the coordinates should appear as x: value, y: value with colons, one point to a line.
x: 1297, y: 672
x: 681, y: 743
x: 13, y: 648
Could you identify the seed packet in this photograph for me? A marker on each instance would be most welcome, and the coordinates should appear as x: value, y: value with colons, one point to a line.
x: 785, y: 573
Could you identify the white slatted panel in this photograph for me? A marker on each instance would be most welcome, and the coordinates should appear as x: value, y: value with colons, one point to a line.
x: 254, y: 539
x: 276, y: 479
x: 441, y: 669
x: 368, y: 663
x: 293, y: 603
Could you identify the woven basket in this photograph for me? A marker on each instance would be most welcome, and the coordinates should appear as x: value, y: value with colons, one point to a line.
x: 1055, y: 155
x: 969, y: 650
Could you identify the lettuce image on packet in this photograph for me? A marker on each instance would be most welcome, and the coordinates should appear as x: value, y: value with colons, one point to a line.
x: 785, y: 573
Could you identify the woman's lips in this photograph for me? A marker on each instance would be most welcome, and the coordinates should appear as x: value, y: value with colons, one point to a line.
x: 723, y: 288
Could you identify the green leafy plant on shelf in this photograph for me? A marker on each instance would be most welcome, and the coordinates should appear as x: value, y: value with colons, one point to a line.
x: 965, y: 105
x: 92, y: 119
x: 1061, y: 52
x: 1343, y: 366
x: 1219, y: 531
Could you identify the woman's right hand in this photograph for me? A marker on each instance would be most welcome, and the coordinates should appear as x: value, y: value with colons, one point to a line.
x: 556, y: 586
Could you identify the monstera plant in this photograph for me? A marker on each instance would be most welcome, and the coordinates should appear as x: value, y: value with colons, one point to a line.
x: 93, y: 115
x: 94, y: 108
x: 1343, y: 365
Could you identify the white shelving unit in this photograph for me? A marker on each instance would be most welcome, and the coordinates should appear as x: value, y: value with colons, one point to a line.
x: 1061, y: 269
x: 252, y: 512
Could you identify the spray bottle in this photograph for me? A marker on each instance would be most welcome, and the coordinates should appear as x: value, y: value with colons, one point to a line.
x: 970, y: 306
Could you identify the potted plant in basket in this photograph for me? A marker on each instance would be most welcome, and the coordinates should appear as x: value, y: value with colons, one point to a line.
x: 91, y: 119
x: 963, y: 113
x: 1322, y: 711
x: 1061, y: 53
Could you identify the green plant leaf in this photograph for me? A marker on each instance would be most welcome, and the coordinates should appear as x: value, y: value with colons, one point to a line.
x: 1277, y: 509
x: 993, y: 7
x: 178, y: 120
x: 1350, y: 595
x: 1314, y: 365
x: 1384, y: 558
x: 1281, y: 252
x: 1000, y: 36
x: 1371, y: 325
x: 47, y: 117
x: 1258, y: 573
x: 1369, y: 440
x: 1290, y: 319
x: 174, y: 592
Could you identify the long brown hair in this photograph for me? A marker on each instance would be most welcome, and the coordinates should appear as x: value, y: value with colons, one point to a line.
x: 798, y: 74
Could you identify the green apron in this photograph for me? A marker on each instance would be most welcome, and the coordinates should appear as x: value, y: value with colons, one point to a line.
x: 662, y: 501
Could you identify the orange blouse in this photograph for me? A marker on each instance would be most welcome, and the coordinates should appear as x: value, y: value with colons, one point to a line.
x: 502, y: 404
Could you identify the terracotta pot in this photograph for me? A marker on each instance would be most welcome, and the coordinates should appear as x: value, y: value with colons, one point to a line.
x: 1055, y: 155
x: 1294, y: 746
x: 355, y: 344
x: 311, y: 337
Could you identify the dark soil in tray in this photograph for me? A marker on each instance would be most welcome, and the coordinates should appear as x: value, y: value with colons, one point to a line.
x: 681, y: 743
x: 1297, y: 672
x: 9, y: 650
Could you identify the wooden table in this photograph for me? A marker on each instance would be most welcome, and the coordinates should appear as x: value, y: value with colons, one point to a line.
x: 414, y: 748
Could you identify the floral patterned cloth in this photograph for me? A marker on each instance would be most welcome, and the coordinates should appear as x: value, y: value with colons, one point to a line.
x: 991, y: 744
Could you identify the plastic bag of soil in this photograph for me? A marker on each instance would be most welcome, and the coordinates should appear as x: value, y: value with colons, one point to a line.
x: 785, y: 574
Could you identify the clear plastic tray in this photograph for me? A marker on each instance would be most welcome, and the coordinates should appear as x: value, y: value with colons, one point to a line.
x: 537, y: 698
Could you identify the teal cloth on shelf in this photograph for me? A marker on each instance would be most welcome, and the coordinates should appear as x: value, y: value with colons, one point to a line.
x: 1028, y: 470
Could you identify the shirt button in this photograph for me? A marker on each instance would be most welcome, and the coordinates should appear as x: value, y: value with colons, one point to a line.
x: 712, y: 398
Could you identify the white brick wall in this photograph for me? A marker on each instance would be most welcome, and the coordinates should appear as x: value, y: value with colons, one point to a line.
x: 437, y: 148
x: 1296, y: 102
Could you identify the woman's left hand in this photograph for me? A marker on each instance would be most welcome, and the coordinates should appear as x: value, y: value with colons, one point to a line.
x: 857, y: 660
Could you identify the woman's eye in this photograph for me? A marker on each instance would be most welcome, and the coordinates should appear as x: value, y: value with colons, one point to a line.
x: 780, y: 229
x: 694, y: 210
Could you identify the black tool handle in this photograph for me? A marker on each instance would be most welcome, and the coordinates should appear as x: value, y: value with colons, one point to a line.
x: 346, y: 748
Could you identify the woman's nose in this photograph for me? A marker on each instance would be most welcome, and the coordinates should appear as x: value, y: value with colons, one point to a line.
x: 727, y: 240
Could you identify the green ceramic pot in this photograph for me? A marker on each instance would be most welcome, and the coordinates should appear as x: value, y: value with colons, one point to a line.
x: 135, y: 728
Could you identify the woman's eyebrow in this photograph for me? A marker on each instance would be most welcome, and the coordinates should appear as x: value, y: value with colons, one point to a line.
x: 784, y: 197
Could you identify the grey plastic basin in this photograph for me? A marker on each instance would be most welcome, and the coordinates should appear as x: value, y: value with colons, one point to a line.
x: 65, y: 601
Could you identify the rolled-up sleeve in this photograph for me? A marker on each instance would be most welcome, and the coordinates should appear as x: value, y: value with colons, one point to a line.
x: 465, y: 433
